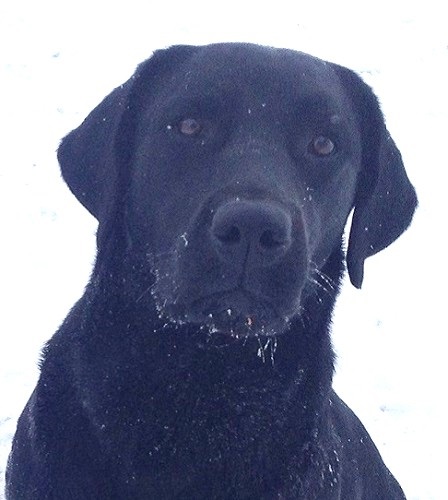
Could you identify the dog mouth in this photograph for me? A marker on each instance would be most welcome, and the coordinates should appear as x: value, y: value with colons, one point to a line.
x: 233, y: 315
x: 236, y: 314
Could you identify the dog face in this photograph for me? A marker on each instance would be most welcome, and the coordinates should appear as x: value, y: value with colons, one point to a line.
x: 243, y: 177
x: 235, y: 168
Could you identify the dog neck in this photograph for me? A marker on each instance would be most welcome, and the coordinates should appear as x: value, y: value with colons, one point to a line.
x: 185, y: 394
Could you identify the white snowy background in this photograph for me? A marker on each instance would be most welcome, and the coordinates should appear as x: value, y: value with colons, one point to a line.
x: 58, y: 59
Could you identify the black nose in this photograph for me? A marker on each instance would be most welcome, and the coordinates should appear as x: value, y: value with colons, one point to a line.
x: 255, y: 233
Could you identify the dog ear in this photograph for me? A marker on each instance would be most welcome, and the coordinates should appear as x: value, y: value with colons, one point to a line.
x: 92, y: 155
x: 86, y: 155
x: 385, y: 200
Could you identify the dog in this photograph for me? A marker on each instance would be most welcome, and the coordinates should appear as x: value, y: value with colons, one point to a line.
x: 198, y: 363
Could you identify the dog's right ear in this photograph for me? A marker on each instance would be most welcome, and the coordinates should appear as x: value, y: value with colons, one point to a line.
x: 86, y: 155
x: 89, y: 155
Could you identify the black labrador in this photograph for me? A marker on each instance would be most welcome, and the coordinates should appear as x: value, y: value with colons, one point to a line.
x: 198, y: 364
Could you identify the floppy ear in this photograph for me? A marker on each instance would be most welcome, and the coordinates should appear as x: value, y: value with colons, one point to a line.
x: 86, y: 155
x: 92, y: 157
x: 385, y: 200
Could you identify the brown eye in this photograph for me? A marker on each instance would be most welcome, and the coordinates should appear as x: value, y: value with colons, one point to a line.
x: 322, y: 146
x: 190, y: 126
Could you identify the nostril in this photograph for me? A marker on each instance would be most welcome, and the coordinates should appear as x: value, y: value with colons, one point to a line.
x: 270, y: 241
x: 231, y: 235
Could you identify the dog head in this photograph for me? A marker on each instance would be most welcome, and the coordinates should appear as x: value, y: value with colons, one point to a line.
x: 234, y: 167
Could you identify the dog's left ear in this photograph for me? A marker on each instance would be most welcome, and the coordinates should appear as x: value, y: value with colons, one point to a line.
x: 385, y: 200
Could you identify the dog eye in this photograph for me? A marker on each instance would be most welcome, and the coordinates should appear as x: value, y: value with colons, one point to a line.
x: 190, y: 127
x: 322, y: 146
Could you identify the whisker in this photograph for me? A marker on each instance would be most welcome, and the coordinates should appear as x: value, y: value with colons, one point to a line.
x: 321, y: 280
x: 273, y: 344
x: 145, y: 292
x: 260, y: 352
x: 328, y: 281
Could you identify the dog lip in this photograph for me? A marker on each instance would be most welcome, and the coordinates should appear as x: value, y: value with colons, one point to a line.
x: 236, y: 312
x: 238, y: 300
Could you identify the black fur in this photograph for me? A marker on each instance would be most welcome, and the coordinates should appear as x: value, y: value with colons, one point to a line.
x: 198, y: 364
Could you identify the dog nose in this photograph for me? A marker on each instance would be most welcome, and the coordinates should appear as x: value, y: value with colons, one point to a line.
x: 254, y: 233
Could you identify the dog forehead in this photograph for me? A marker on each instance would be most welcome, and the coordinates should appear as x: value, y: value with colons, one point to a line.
x: 249, y: 76
x: 264, y: 69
